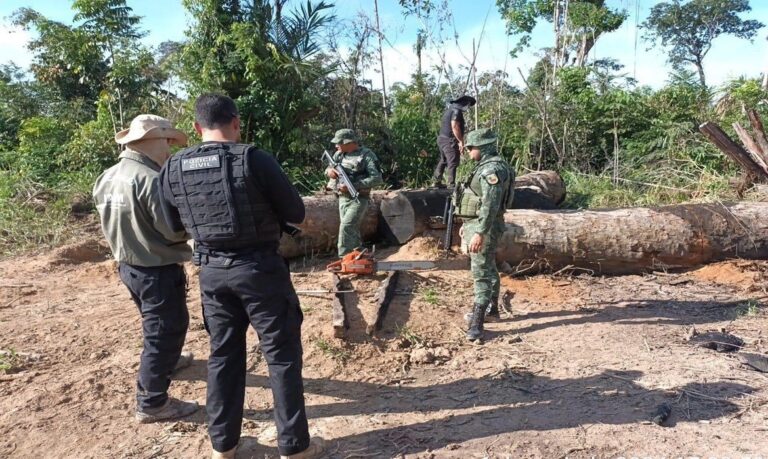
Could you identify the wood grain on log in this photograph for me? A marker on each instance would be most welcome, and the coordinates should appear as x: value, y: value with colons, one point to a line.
x: 384, y: 296
x: 634, y: 240
x: 757, y: 127
x: 339, y: 309
x: 752, y: 148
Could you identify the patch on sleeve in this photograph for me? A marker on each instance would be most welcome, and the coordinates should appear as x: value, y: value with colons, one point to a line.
x: 492, y: 179
x: 200, y: 162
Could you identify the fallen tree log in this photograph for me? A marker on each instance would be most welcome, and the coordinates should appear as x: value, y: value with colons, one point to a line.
x: 715, y: 134
x: 633, y: 240
x: 407, y: 214
x: 320, y: 229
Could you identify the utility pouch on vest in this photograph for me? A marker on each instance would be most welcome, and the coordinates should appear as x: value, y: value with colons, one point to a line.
x: 468, y: 202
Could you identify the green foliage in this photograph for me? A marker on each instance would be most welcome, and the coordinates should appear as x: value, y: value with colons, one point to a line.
x: 413, y: 137
x: 689, y: 29
x: 583, y: 22
x: 260, y: 57
x: 41, y: 143
x: 10, y: 361
x: 66, y: 58
x: 410, y: 336
x: 336, y: 353
x: 430, y: 295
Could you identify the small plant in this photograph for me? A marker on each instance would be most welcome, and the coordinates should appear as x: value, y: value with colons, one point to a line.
x: 430, y: 295
x: 336, y: 353
x: 10, y: 361
x: 410, y: 336
x: 748, y: 308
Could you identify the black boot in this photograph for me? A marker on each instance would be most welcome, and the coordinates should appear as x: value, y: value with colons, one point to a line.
x: 475, y: 331
x: 492, y: 313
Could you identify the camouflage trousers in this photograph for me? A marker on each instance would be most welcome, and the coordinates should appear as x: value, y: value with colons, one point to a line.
x: 351, y: 215
x: 485, y: 274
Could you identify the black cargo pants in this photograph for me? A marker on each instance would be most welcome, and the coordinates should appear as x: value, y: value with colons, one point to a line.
x: 254, y: 289
x: 160, y: 294
x: 449, y: 159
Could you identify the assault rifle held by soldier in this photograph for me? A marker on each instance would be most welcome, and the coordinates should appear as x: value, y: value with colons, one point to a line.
x: 343, y: 178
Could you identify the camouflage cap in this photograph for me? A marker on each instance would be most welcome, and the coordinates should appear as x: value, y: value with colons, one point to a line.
x: 479, y: 137
x: 344, y: 136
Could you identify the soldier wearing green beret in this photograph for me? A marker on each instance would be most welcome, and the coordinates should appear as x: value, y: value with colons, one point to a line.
x: 362, y: 167
x: 483, y: 198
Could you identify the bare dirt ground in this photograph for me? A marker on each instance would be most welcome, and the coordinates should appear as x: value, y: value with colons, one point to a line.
x: 577, y: 369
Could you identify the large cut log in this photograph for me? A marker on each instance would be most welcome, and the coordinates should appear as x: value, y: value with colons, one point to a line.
x: 407, y: 214
x: 320, y: 229
x: 633, y: 240
x: 733, y: 150
x: 547, y: 184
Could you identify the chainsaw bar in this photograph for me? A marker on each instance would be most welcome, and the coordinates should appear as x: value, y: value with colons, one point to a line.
x: 403, y: 265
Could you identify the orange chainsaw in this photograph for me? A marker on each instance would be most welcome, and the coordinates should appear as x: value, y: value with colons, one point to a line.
x: 362, y: 262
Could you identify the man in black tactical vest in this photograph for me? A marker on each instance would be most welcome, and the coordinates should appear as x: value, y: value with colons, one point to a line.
x: 450, y: 141
x: 232, y: 198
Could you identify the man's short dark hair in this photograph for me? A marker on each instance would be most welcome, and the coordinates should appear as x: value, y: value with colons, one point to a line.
x: 214, y: 110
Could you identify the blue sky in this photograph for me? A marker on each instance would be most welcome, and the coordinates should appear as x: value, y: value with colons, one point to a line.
x: 166, y: 20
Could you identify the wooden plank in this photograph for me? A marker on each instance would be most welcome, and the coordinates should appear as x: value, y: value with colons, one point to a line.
x: 339, y: 314
x: 715, y: 134
x: 757, y: 126
x: 752, y: 148
x: 384, y: 296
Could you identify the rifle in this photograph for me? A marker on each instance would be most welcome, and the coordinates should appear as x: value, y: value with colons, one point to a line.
x: 343, y: 177
x: 450, y: 208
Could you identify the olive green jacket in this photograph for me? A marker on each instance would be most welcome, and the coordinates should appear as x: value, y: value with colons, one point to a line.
x: 127, y: 196
x: 490, y: 181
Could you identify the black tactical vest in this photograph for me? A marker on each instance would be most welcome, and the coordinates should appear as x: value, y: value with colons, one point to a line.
x: 218, y: 202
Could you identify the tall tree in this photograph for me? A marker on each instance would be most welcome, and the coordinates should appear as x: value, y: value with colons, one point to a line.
x: 114, y: 27
x: 66, y: 58
x: 260, y: 56
x: 577, y: 24
x: 689, y: 29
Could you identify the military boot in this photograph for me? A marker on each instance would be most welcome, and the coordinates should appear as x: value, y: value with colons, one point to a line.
x: 492, y: 313
x: 475, y: 332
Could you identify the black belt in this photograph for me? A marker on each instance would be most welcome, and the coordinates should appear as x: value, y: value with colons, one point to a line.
x: 204, y: 255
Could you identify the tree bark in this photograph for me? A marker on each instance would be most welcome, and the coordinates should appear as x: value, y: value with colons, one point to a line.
x: 634, y: 240
x: 757, y: 127
x: 733, y: 150
x: 752, y: 148
x: 320, y: 229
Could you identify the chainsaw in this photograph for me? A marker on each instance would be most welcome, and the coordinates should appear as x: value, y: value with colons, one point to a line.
x: 362, y: 262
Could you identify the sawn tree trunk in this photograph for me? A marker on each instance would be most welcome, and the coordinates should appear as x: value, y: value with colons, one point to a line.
x: 633, y: 240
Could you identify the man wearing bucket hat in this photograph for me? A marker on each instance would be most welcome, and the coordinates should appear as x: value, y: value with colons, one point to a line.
x: 232, y: 198
x: 150, y: 256
x: 450, y: 141
x: 484, y: 196
x: 361, y: 165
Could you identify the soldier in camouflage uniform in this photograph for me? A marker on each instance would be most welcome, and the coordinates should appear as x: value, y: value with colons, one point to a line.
x: 362, y: 167
x: 483, y: 198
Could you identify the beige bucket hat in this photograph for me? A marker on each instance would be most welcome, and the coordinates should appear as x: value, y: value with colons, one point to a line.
x: 150, y: 127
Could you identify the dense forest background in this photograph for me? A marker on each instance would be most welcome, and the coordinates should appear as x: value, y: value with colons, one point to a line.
x: 297, y: 74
